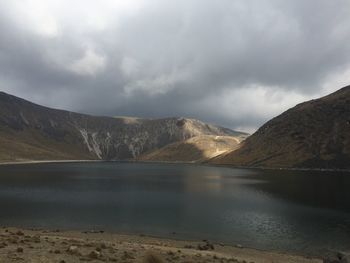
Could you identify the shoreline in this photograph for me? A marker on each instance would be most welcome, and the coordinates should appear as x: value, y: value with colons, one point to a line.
x: 48, y: 161
x: 38, y: 245
x: 180, y: 162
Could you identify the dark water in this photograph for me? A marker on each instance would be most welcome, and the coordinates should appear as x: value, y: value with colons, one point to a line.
x: 306, y: 212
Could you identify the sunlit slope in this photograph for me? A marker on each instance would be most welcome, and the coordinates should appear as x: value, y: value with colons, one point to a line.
x: 196, y: 149
x: 32, y: 132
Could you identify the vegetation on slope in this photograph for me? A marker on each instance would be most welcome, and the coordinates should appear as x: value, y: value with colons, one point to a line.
x: 33, y: 132
x: 313, y: 134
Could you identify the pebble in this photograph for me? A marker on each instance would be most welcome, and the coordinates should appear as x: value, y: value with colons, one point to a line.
x: 94, y: 254
x: 19, y: 233
x: 73, y: 250
x: 188, y: 246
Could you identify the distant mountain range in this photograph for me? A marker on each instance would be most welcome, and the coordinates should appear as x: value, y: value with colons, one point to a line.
x: 313, y: 134
x: 32, y: 132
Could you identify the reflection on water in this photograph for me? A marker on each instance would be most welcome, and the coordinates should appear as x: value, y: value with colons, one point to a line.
x: 282, y: 210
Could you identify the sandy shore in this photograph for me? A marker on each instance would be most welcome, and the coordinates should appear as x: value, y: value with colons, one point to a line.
x: 48, y: 161
x: 18, y: 245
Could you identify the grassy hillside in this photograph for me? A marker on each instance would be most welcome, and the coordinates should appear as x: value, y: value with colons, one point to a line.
x: 313, y: 134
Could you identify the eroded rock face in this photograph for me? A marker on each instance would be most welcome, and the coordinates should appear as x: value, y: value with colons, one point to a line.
x: 313, y: 134
x: 49, y: 134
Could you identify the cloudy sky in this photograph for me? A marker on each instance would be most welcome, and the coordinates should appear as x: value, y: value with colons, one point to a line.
x: 235, y: 63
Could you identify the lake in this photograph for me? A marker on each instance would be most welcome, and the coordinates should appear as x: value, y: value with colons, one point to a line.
x: 299, y: 211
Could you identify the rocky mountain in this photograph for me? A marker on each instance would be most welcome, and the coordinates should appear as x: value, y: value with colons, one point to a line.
x: 195, y: 149
x: 32, y: 132
x: 313, y: 134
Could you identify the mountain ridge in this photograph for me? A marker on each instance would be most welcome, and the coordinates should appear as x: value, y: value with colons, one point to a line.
x: 30, y: 131
x: 313, y: 134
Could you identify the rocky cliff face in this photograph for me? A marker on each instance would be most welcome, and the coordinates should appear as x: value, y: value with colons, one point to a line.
x: 30, y: 131
x: 313, y: 134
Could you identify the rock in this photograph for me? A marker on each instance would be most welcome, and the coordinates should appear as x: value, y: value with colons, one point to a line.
x: 73, y: 250
x: 206, y: 246
x: 201, y: 247
x: 36, y: 239
x: 338, y: 257
x: 19, y: 250
x: 189, y: 246
x: 239, y: 246
x: 127, y: 255
x: 19, y: 233
x: 94, y: 254
x: 345, y: 257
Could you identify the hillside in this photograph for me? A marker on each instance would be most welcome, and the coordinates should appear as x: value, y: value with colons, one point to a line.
x: 195, y: 149
x: 32, y: 132
x: 313, y: 134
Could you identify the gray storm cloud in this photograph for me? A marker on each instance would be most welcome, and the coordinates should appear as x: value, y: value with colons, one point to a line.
x: 233, y: 63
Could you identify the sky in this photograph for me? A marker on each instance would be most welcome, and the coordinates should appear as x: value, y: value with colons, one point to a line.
x: 235, y: 63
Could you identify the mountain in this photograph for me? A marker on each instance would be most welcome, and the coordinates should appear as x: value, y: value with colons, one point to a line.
x: 195, y: 149
x: 32, y: 132
x: 313, y: 134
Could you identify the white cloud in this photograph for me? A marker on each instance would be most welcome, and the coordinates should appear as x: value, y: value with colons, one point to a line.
x: 336, y: 80
x: 237, y: 63
x: 159, y: 84
x: 90, y: 64
x: 36, y: 15
x: 129, y: 66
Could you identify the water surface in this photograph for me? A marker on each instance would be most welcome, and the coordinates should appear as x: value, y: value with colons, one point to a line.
x: 299, y: 211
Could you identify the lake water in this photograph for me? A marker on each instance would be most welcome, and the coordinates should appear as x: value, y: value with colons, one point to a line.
x: 299, y: 211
